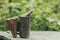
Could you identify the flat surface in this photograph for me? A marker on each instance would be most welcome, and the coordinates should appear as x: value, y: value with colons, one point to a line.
x: 36, y: 35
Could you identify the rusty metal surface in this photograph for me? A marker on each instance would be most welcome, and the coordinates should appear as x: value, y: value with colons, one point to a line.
x: 13, y: 26
x: 25, y: 24
x: 23, y: 27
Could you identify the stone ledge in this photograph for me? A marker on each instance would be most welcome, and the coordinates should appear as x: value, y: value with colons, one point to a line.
x: 35, y: 35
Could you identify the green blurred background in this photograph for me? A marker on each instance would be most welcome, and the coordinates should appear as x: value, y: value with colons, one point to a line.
x: 46, y: 15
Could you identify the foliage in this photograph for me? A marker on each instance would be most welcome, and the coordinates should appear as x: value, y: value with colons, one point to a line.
x: 45, y: 16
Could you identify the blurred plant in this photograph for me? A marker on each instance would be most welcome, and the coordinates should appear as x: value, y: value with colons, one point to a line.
x: 46, y: 15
